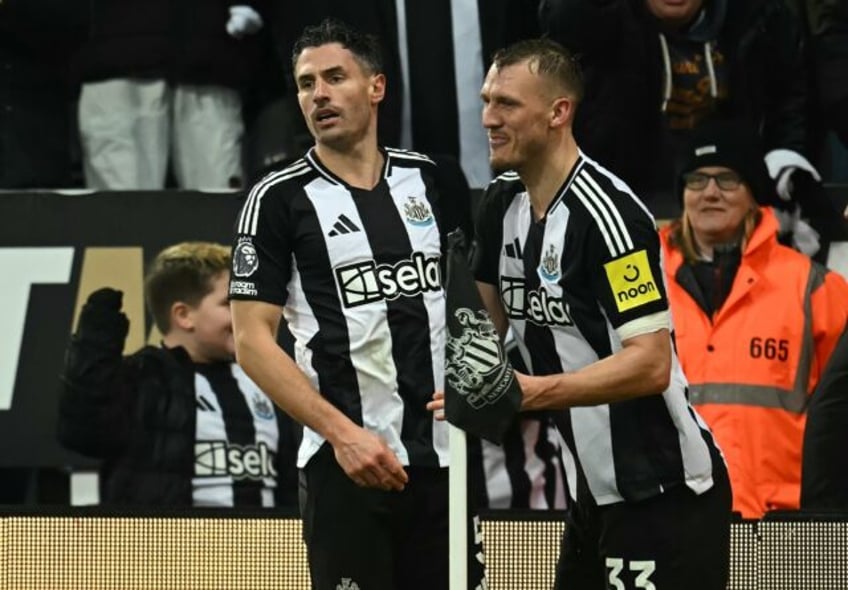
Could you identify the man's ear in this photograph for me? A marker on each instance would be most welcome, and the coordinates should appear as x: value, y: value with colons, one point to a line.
x: 378, y: 88
x: 562, y: 111
x: 181, y: 316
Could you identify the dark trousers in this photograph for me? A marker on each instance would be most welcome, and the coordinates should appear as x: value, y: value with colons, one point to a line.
x: 375, y: 539
x: 677, y: 539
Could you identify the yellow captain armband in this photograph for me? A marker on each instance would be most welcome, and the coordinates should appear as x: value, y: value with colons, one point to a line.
x: 632, y: 281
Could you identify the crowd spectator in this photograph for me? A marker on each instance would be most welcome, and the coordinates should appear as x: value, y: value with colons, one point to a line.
x: 162, y: 81
x: 36, y: 38
x: 656, y: 70
x: 755, y: 321
x: 825, y: 23
x: 180, y: 424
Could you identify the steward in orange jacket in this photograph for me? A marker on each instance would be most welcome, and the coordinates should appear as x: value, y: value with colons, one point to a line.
x: 755, y: 321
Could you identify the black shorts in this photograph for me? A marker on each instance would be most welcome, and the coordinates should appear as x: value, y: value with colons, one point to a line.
x: 380, y: 540
x: 676, y: 540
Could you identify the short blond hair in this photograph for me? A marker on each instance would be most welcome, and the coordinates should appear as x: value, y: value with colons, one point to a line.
x: 182, y: 272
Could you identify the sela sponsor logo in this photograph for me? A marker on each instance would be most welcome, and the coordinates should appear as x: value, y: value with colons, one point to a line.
x: 631, y: 281
x: 243, y: 288
x: 367, y: 282
x: 536, y: 306
x: 245, y: 259
x: 218, y: 458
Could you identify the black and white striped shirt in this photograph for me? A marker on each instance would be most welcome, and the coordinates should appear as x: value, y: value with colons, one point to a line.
x: 236, y: 439
x: 575, y: 285
x: 358, y: 274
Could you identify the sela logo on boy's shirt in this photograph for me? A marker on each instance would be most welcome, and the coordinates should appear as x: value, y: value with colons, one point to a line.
x: 218, y: 458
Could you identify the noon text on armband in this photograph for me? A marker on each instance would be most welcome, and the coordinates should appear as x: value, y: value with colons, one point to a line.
x: 366, y: 282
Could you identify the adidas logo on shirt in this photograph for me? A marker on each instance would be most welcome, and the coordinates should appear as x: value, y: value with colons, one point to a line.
x: 343, y: 225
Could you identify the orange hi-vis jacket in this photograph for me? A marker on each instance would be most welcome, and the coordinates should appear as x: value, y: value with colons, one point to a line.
x: 752, y: 366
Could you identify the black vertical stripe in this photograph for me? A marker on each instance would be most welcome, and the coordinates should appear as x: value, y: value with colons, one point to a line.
x: 646, y: 441
x: 390, y: 243
x: 515, y: 461
x: 330, y: 346
x: 238, y: 422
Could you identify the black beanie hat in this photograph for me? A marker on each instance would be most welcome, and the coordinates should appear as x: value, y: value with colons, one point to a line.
x: 729, y: 144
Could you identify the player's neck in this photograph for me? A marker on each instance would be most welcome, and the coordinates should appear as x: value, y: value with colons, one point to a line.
x: 543, y: 177
x: 359, y: 165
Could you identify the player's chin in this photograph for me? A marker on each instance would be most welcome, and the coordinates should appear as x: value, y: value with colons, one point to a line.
x: 500, y: 164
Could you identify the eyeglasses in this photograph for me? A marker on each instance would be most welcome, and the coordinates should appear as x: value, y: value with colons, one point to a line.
x: 726, y: 181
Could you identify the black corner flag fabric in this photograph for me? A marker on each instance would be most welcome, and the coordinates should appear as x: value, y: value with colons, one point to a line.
x: 482, y: 396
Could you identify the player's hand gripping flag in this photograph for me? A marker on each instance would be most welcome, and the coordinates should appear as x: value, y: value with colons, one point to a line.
x: 482, y: 396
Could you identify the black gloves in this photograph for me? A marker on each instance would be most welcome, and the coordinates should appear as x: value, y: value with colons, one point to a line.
x: 101, y: 320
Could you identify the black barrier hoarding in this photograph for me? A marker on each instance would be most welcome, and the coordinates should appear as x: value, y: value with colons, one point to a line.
x: 54, y: 250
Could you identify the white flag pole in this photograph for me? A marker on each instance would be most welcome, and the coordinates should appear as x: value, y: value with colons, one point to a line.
x: 458, y: 509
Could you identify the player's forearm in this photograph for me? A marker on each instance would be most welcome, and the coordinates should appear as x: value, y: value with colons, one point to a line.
x: 282, y: 380
x: 634, y: 371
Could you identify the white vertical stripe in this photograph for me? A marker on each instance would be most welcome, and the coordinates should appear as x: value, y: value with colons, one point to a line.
x: 468, y: 73
x: 555, y: 225
x: 592, y: 437
x: 304, y: 326
x: 498, y: 485
x: 697, y: 462
x: 370, y: 339
x: 516, y: 225
x: 406, y: 182
x: 210, y: 491
x: 533, y: 464
x: 265, y: 428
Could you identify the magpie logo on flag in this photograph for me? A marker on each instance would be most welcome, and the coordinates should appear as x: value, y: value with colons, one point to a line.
x: 482, y: 396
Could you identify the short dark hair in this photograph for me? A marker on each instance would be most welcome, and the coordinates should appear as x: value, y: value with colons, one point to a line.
x: 182, y: 272
x: 546, y: 58
x: 364, y: 47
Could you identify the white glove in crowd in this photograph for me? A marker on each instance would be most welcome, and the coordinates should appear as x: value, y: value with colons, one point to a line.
x: 243, y: 21
x: 781, y: 163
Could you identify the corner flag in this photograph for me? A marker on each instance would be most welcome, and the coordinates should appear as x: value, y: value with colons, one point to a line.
x: 482, y: 396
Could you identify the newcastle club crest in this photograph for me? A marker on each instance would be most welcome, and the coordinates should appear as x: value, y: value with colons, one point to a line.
x: 475, y: 363
x: 482, y: 395
x: 417, y: 212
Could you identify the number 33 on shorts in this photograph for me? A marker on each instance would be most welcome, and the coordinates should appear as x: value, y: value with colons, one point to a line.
x: 641, y: 569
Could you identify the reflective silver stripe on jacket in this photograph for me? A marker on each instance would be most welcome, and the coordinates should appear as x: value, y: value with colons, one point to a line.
x: 765, y: 396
